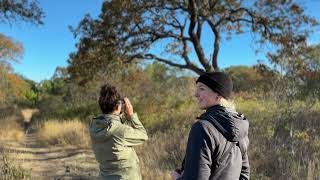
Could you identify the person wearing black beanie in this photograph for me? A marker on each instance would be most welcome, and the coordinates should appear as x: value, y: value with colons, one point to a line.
x: 218, y: 140
x: 217, y: 82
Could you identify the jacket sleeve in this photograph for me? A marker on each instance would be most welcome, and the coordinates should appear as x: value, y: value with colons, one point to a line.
x: 131, y: 135
x: 245, y: 169
x: 198, y: 155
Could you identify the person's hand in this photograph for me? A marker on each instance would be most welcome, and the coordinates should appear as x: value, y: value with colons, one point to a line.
x: 128, y: 107
x: 174, y: 175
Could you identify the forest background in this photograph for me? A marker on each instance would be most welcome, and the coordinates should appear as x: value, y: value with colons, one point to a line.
x: 280, y: 98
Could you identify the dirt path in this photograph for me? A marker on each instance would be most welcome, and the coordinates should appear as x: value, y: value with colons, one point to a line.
x: 51, y: 163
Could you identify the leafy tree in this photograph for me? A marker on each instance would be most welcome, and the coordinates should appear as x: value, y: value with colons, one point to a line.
x: 9, y: 49
x: 256, y: 78
x: 25, y: 10
x: 244, y: 78
x: 173, y: 32
x: 301, y: 71
x: 12, y: 11
x: 157, y: 72
x: 12, y: 87
x: 56, y: 86
x: 90, y: 65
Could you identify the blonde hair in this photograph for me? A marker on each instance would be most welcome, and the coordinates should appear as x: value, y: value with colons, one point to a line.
x: 229, y: 104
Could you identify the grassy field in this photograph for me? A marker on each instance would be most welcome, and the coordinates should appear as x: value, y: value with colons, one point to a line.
x: 284, y: 141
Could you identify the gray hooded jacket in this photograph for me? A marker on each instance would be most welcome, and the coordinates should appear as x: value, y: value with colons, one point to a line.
x: 218, y: 131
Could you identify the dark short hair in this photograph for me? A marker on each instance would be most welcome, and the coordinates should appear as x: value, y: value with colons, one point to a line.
x: 109, y: 97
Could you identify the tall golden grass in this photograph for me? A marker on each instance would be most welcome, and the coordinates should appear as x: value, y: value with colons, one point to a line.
x: 10, y: 169
x: 63, y: 132
x: 10, y: 129
x: 161, y: 154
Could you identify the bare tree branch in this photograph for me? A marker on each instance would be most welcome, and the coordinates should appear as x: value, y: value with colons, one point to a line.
x: 194, y: 38
x: 199, y: 28
x: 166, y: 61
x: 216, y: 45
x: 133, y: 28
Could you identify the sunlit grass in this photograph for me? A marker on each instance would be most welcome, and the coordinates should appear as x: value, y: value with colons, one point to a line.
x: 10, y: 129
x: 161, y: 154
x: 10, y: 169
x: 57, y: 132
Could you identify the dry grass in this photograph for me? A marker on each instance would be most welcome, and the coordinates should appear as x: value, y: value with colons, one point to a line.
x: 161, y: 154
x: 57, y: 132
x: 10, y: 169
x: 10, y: 129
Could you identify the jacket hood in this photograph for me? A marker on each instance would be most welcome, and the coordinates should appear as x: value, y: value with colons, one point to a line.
x: 103, y: 123
x: 232, y: 125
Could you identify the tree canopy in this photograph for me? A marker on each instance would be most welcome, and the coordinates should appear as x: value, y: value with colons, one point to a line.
x: 25, y: 10
x: 12, y: 11
x: 174, y: 32
x: 9, y: 49
x: 301, y: 69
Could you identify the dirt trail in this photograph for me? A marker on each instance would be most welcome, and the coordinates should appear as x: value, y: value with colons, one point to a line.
x: 51, y: 163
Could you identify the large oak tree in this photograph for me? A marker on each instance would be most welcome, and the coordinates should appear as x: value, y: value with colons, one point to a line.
x: 174, y: 31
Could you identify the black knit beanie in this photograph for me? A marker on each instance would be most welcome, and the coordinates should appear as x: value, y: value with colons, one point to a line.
x: 218, y: 82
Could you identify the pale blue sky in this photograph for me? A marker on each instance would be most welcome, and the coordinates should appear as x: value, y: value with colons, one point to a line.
x: 49, y: 45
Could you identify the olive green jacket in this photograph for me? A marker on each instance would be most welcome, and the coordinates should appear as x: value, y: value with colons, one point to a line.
x: 112, y: 143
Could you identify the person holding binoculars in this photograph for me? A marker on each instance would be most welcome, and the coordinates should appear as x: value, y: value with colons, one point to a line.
x: 113, y: 135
